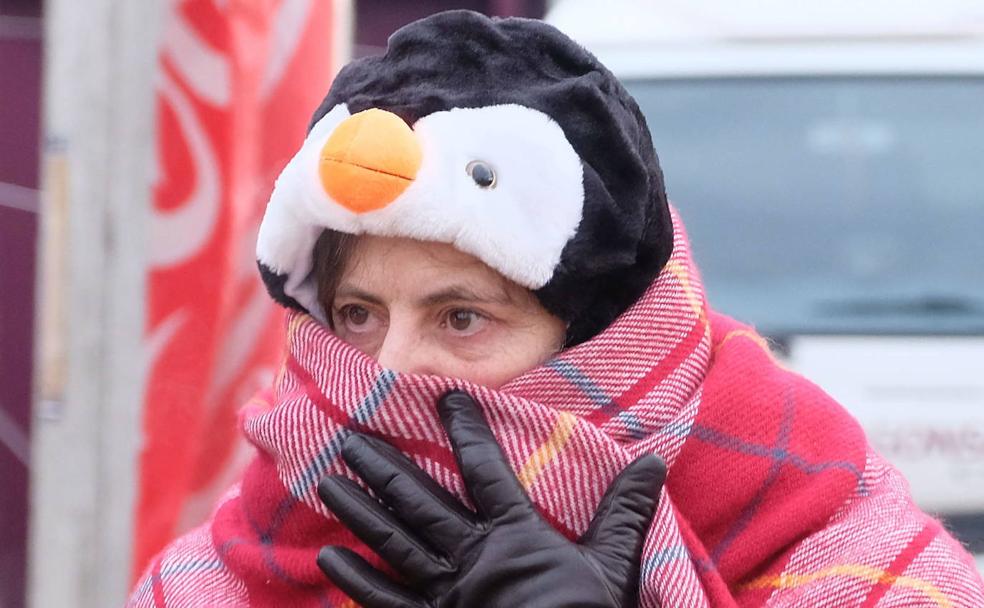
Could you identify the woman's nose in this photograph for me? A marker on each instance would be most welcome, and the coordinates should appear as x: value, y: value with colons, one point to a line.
x: 403, y: 350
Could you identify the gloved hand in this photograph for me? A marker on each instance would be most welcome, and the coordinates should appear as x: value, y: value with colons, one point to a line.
x: 505, y: 555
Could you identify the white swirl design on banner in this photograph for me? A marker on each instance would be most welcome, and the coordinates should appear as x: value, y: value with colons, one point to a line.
x: 178, y: 234
x: 205, y: 70
x: 199, y: 504
x: 238, y: 343
x: 157, y: 340
x: 288, y: 26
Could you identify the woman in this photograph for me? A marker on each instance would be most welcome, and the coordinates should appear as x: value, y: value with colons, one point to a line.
x: 477, y: 219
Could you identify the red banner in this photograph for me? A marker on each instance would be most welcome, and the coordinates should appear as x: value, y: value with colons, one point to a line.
x: 237, y: 83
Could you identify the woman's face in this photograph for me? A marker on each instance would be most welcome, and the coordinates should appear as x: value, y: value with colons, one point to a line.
x: 427, y: 308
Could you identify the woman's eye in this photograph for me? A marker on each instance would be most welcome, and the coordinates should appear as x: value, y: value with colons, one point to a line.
x: 356, y: 315
x: 356, y: 318
x: 464, y: 322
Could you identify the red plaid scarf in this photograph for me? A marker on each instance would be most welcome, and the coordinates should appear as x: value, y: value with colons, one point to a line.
x: 773, y: 497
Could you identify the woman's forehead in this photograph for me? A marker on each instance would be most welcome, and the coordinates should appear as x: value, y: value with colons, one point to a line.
x: 424, y: 271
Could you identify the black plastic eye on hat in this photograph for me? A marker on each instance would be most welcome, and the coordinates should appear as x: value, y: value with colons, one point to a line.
x: 482, y: 173
x: 585, y: 205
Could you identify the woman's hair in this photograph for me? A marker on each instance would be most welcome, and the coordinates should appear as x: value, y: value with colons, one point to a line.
x: 331, y: 255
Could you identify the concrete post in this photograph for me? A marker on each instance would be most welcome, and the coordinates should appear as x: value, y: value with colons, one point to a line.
x: 100, y: 58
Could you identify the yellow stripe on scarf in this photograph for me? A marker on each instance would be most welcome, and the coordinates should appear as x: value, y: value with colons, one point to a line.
x: 867, y: 573
x: 754, y: 337
x: 295, y: 322
x: 547, y: 451
x: 680, y: 272
x: 745, y: 333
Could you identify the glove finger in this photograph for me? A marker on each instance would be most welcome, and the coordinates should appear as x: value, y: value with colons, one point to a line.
x: 416, y: 499
x: 363, y: 583
x: 625, y: 513
x: 374, y: 525
x: 490, y: 480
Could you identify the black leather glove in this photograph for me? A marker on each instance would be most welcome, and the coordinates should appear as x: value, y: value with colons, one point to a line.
x: 505, y: 555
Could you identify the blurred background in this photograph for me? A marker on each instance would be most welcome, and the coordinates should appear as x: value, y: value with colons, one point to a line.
x: 827, y: 158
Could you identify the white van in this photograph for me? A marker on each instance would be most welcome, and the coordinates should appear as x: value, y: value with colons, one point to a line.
x: 828, y: 160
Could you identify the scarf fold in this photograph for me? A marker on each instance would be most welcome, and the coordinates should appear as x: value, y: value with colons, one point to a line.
x: 761, y: 462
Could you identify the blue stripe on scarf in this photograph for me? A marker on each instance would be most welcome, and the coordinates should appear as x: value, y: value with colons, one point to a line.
x: 322, y: 460
x: 576, y: 377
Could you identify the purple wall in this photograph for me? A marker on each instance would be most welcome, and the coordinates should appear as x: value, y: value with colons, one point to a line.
x: 20, y: 98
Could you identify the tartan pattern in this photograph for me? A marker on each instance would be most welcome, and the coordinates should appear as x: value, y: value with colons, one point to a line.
x: 190, y: 573
x: 772, y: 498
x: 877, y: 550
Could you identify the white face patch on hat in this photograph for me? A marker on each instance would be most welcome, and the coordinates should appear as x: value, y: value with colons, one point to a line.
x: 499, y: 182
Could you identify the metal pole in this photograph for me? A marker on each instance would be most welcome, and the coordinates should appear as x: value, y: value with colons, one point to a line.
x: 100, y: 58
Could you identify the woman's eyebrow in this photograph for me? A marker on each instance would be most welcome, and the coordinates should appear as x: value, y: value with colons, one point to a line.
x: 460, y: 293
x: 354, y: 292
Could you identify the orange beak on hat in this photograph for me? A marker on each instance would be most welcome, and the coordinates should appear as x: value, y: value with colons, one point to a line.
x: 369, y: 160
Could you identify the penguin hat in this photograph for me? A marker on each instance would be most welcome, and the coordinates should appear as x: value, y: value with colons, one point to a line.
x: 501, y: 137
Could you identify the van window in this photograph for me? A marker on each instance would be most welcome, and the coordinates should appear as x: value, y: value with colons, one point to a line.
x: 820, y: 205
